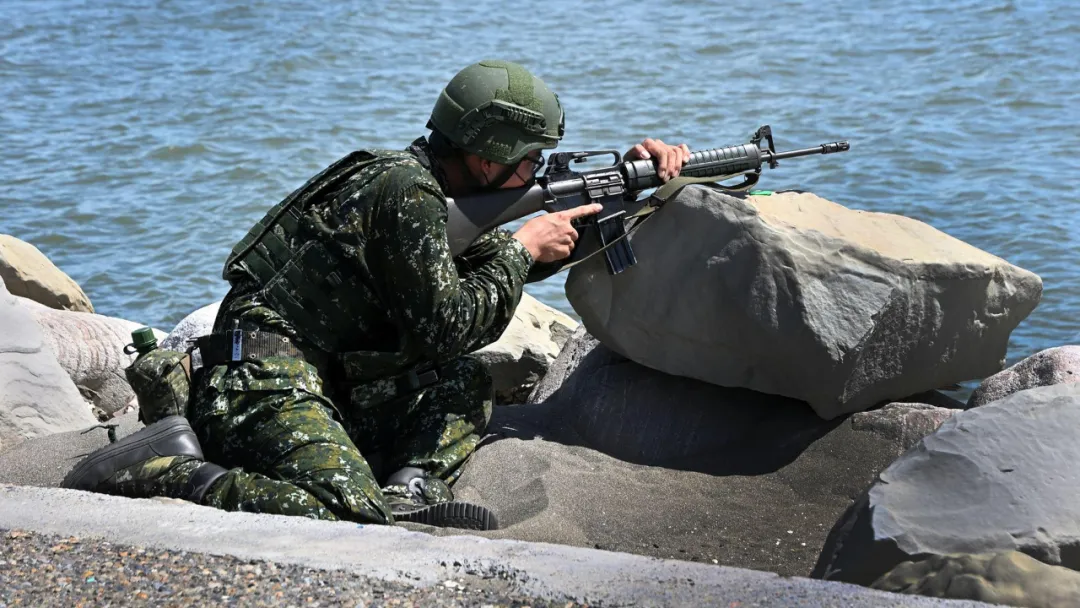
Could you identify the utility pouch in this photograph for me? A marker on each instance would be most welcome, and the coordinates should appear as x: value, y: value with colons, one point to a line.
x: 161, y: 380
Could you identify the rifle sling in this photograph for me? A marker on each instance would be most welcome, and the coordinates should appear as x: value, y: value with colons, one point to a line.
x: 672, y: 187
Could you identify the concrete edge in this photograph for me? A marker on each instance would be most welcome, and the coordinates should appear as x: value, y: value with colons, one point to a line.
x: 548, y: 571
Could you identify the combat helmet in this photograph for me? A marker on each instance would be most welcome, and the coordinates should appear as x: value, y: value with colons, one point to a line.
x: 499, y: 111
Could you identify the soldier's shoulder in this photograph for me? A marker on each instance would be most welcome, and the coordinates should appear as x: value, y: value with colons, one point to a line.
x: 397, y: 170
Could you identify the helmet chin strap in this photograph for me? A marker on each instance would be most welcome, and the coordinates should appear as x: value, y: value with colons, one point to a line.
x: 503, y: 177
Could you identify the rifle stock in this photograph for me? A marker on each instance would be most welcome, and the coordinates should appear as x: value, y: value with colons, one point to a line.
x: 477, y: 214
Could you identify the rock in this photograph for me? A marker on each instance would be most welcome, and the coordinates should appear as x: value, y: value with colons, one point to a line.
x: 797, y: 296
x: 36, y: 396
x: 90, y: 348
x: 1051, y: 366
x: 1009, y: 578
x: 198, y: 323
x: 1000, y: 477
x: 521, y: 356
x: 936, y: 399
x: 602, y: 400
x: 619, y: 456
x: 28, y: 273
x: 905, y: 423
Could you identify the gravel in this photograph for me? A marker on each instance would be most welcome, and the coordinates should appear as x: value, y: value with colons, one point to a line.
x: 47, y: 570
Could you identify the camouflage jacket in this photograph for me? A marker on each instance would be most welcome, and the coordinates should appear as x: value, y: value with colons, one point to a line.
x: 383, y: 226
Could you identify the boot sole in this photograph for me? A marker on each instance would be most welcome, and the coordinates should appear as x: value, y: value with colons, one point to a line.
x: 133, y: 449
x: 452, y: 515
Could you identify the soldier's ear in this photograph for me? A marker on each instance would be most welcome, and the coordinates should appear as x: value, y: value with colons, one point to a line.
x: 478, y: 168
x: 489, y: 168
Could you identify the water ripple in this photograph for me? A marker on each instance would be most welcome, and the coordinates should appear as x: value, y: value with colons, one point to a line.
x: 141, y: 140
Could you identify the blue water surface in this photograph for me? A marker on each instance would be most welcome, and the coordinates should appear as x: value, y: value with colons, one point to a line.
x: 142, y: 138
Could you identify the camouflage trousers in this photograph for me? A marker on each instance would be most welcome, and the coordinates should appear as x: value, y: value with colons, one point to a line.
x: 294, y: 452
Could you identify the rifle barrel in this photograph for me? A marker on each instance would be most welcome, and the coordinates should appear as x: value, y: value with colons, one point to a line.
x: 829, y: 148
x: 718, y: 162
x: 715, y: 162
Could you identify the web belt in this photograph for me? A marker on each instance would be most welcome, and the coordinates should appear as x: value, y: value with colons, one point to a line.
x: 237, y: 346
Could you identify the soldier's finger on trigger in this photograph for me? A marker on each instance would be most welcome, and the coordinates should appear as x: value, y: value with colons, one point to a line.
x: 582, y: 211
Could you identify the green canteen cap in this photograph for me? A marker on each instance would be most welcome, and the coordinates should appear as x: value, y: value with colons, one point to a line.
x: 499, y: 111
x: 143, y: 339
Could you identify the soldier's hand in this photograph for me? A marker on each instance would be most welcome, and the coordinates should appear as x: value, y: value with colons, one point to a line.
x: 551, y: 237
x: 669, y: 159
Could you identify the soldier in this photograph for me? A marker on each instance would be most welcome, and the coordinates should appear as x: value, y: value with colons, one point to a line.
x: 336, y: 384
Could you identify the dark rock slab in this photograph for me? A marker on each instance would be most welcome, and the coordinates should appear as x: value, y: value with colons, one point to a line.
x: 1001, y: 477
x: 606, y: 402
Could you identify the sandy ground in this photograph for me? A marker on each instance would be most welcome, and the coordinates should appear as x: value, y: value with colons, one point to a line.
x: 776, y: 520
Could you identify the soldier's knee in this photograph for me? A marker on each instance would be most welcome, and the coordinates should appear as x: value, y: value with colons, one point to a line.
x: 339, y: 477
x: 349, y: 495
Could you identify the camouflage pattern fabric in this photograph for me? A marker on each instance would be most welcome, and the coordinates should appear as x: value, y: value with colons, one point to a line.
x: 435, y: 429
x: 296, y: 431
x: 270, y: 421
x: 365, y: 267
x: 160, y: 381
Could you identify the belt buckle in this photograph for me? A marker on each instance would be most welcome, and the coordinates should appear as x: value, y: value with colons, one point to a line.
x: 427, y: 378
x: 414, y: 381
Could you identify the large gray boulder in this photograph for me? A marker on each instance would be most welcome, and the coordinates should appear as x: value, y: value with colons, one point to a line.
x: 90, y: 348
x: 1000, y: 477
x: 793, y: 295
x: 1045, y: 368
x: 36, y: 396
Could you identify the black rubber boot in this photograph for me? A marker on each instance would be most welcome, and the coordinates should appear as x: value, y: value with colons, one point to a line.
x: 170, y: 440
x: 416, y: 497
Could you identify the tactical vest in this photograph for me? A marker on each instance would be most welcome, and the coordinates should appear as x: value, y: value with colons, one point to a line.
x: 305, y: 281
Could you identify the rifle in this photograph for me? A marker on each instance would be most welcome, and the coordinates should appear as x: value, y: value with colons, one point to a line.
x: 615, y: 187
